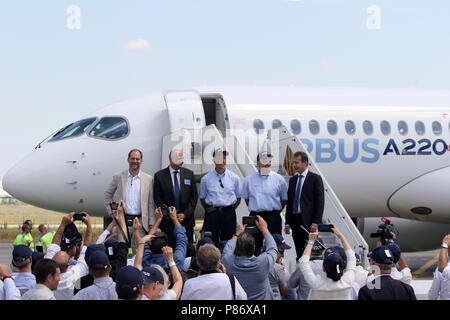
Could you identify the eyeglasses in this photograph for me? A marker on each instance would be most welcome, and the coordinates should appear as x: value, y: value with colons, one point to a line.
x: 221, y: 184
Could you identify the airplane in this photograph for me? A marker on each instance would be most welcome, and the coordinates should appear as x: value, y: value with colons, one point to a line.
x: 385, y: 152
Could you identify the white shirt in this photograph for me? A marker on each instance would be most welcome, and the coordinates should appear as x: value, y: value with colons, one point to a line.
x: 361, y: 275
x: 39, y: 292
x: 212, y: 286
x: 404, y: 276
x: 172, y: 170
x: 169, y: 295
x: 323, y: 288
x: 133, y: 194
x: 69, y: 278
x: 440, y: 287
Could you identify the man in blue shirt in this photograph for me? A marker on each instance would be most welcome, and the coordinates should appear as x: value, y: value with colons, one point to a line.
x: 220, y: 196
x: 104, y: 287
x: 265, y: 193
x: 153, y: 250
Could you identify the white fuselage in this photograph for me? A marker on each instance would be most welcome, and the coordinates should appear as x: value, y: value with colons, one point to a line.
x: 370, y: 175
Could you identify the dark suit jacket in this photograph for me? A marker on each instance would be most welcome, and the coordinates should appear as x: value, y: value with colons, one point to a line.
x: 163, y: 192
x: 389, y: 289
x: 311, y: 199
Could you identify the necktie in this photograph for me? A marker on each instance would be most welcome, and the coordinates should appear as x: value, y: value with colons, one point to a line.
x: 177, y: 191
x: 296, y: 204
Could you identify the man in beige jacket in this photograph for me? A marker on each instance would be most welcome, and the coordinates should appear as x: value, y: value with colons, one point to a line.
x: 135, y: 188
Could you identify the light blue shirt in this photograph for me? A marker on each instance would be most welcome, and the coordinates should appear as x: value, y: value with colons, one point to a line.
x: 24, y: 281
x: 264, y: 193
x: 214, y: 194
x: 102, y: 289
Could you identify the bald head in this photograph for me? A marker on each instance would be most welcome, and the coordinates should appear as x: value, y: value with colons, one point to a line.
x: 176, y: 159
x: 63, y: 260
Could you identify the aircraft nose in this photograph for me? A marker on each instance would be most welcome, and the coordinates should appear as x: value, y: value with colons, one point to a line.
x: 15, y: 183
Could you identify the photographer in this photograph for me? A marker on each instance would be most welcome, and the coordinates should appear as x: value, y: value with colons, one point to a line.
x: 337, y: 284
x: 383, y: 286
x: 213, y: 283
x: 116, y: 250
x: 153, y: 250
x: 252, y: 272
x: 440, y: 287
x: 404, y: 272
x: 69, y: 240
x: 297, y: 279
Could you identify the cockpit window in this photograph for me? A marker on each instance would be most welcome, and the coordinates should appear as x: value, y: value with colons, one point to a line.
x: 73, y: 130
x: 110, y: 128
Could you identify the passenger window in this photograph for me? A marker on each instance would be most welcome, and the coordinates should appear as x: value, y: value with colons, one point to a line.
x: 276, y: 124
x: 73, y: 130
x: 296, y: 127
x: 332, y: 127
x: 420, y: 128
x: 110, y: 128
x: 314, y: 127
x: 437, y: 128
x: 385, y: 127
x: 350, y: 127
x: 258, y: 125
x: 402, y: 127
x: 368, y: 127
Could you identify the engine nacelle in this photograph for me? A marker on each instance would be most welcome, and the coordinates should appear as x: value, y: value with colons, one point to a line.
x: 413, y: 235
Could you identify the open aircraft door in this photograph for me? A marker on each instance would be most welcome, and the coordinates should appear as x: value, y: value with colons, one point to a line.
x: 185, y: 109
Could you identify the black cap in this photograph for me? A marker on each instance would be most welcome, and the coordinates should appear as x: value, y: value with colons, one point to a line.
x: 98, y: 260
x: 21, y: 254
x: 70, y: 237
x: 381, y: 255
x: 280, y: 241
x: 152, y: 274
x: 333, y: 263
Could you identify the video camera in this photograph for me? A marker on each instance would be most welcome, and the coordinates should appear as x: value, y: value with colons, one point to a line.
x: 384, y: 231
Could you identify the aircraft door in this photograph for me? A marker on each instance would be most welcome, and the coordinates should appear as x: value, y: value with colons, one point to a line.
x: 185, y: 109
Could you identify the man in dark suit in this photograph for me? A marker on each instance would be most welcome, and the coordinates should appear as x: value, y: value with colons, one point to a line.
x: 305, y: 202
x: 175, y: 186
x: 383, y: 286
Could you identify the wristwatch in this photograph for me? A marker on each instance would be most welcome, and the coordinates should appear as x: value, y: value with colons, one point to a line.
x: 310, y: 242
x: 444, y: 245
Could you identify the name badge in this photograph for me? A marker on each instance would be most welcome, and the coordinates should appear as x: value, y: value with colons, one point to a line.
x: 187, y: 182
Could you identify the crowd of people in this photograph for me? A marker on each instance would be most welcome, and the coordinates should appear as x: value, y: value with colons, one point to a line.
x: 149, y: 252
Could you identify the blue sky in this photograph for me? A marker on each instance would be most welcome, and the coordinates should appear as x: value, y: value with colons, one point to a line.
x: 51, y: 75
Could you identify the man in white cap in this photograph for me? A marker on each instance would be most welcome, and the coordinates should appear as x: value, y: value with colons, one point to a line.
x: 265, y: 193
x: 220, y: 196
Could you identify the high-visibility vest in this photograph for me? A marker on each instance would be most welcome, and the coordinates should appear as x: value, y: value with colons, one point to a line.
x: 22, y: 238
x: 46, y: 240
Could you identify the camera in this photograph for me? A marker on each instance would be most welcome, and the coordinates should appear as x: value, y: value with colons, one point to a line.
x: 78, y: 216
x: 129, y: 221
x: 384, y: 231
x: 207, y: 234
x: 165, y: 211
x: 324, y: 228
x: 114, y: 206
x: 250, y: 221
x: 159, y: 242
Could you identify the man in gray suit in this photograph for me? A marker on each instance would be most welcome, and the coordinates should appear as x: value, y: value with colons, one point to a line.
x: 135, y: 188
